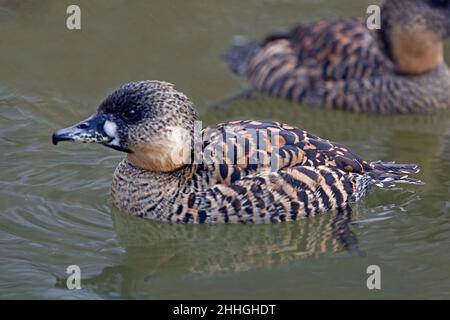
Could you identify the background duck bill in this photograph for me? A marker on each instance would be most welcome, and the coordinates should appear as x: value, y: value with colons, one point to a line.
x: 89, y: 130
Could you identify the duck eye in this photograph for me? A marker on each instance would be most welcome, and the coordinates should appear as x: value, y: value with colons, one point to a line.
x: 130, y: 114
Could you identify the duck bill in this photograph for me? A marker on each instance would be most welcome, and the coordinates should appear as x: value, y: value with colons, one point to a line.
x: 87, y: 131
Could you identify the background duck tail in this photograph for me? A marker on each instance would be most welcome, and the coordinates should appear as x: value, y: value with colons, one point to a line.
x: 387, y: 174
x: 239, y: 53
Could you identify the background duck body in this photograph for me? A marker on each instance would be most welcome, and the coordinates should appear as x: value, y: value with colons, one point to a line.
x: 342, y: 64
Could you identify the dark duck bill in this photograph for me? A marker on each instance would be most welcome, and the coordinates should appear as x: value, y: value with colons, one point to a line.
x: 95, y: 129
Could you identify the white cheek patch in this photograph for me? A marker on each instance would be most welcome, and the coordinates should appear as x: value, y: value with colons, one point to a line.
x: 111, y: 130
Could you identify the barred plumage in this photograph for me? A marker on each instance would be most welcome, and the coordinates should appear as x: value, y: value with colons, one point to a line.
x: 342, y: 64
x: 297, y: 174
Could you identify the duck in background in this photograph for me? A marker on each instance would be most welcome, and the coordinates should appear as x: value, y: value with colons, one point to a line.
x: 249, y: 171
x: 343, y: 65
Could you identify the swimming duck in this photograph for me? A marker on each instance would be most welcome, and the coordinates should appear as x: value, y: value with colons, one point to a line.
x: 341, y: 64
x: 261, y: 171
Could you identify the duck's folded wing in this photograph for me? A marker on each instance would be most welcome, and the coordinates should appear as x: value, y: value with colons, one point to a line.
x: 237, y: 149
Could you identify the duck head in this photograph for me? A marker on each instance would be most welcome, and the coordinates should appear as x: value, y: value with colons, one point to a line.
x: 149, y: 120
x: 414, y: 31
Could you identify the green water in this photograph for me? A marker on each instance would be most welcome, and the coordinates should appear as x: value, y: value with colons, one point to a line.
x: 54, y: 201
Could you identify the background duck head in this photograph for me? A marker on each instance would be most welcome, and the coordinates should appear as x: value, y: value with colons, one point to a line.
x: 149, y: 120
x: 414, y: 31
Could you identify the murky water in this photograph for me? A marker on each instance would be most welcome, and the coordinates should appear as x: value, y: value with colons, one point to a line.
x: 54, y: 202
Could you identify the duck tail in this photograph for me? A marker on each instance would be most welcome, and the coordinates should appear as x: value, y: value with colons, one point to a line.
x: 239, y: 53
x: 387, y: 174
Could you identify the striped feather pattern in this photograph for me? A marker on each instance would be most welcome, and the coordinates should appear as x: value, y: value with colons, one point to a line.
x: 312, y: 176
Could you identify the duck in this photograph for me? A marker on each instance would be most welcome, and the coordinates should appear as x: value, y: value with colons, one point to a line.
x: 342, y: 64
x: 245, y: 171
